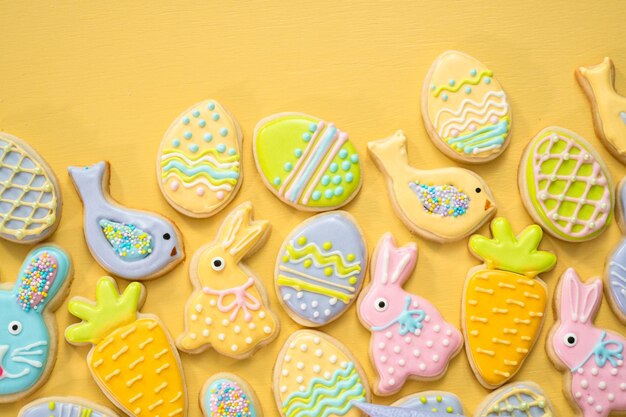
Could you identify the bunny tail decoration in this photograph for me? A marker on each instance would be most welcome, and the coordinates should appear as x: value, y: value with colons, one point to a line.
x: 28, y: 339
x: 615, y: 267
x: 229, y: 309
x: 410, y: 338
x: 591, y: 358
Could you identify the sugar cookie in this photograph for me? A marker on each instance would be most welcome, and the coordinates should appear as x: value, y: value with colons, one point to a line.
x: 615, y: 267
x: 519, y: 399
x: 444, y: 204
x: 465, y: 110
x: 565, y: 185
x: 133, y: 358
x: 227, y: 395
x: 320, y: 268
x: 199, y: 161
x: 306, y: 162
x: 229, y: 309
x: 315, y: 375
x: 410, y: 338
x: 30, y: 193
x: 607, y: 106
x: 129, y: 243
x: 591, y: 358
x: 504, y: 301
x: 423, y: 404
x: 64, y: 407
x: 28, y: 334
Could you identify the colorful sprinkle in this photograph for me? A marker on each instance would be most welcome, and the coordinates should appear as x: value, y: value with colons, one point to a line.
x: 443, y: 200
x: 227, y: 399
x: 36, y: 281
x: 128, y: 241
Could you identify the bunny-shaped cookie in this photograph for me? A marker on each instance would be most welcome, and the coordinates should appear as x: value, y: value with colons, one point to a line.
x: 229, y: 309
x: 28, y: 338
x: 410, y: 338
x: 592, y: 358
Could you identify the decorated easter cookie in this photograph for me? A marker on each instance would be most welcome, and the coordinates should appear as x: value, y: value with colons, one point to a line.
x: 443, y: 204
x: 607, y: 106
x: 424, y: 404
x: 64, y: 407
x: 465, y: 110
x: 199, y: 160
x: 30, y: 196
x: 410, y: 338
x: 591, y: 358
x: 133, y: 358
x: 565, y: 186
x: 129, y: 243
x: 316, y: 376
x: 28, y: 335
x: 615, y: 268
x: 227, y: 395
x: 504, y: 301
x: 320, y: 268
x: 520, y: 399
x: 306, y: 162
x: 229, y: 309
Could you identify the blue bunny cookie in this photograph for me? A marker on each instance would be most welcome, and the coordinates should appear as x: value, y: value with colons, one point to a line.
x: 28, y: 338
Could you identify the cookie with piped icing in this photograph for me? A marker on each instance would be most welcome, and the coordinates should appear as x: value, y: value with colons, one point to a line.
x: 227, y: 395
x: 519, y: 399
x: 64, y: 407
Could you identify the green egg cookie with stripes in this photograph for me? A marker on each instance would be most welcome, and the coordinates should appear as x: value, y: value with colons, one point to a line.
x: 306, y: 162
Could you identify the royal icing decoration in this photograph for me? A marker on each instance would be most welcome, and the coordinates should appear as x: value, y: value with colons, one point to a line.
x: 129, y: 243
x: 306, y: 162
x: 565, y: 185
x: 199, y: 160
x: 426, y: 404
x: 443, y: 204
x: 591, y: 358
x: 64, y: 407
x: 410, y: 338
x: 133, y: 358
x: 228, y: 309
x: 615, y: 273
x: 607, y: 106
x: 464, y: 108
x: 30, y: 198
x: 521, y: 399
x: 320, y: 268
x: 315, y: 376
x: 27, y: 327
x: 226, y: 395
x: 504, y: 301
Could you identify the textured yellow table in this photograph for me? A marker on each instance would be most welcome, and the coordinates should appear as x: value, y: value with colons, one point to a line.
x: 84, y: 82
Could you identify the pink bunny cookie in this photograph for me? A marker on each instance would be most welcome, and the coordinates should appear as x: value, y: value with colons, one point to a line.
x: 591, y: 358
x: 410, y: 338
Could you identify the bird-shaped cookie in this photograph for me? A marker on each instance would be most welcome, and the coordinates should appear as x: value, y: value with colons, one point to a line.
x: 444, y: 204
x: 129, y: 243
x: 607, y: 106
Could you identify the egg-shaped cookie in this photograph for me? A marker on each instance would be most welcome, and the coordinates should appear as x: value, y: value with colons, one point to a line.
x: 30, y: 198
x: 465, y: 110
x: 227, y: 395
x: 306, y: 162
x: 199, y: 160
x: 320, y: 268
x: 566, y: 186
x: 315, y: 375
x: 517, y: 399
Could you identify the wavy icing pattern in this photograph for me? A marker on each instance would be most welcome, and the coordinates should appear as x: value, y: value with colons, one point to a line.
x: 493, y: 104
x: 458, y: 85
x: 320, y: 258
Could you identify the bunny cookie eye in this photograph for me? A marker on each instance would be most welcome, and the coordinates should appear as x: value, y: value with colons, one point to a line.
x: 167, y: 236
x: 217, y: 264
x: 15, y: 328
x: 570, y: 340
x: 381, y: 304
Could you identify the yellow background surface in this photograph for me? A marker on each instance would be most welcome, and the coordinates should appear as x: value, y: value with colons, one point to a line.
x: 83, y: 81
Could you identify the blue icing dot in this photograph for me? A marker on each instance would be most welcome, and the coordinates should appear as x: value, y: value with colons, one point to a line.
x: 277, y: 181
x: 325, y: 180
x: 316, y: 195
x: 354, y: 158
x: 451, y: 82
x: 338, y: 190
x: 444, y: 97
x: 298, y: 152
x: 208, y: 137
x: 328, y: 193
x: 333, y: 167
x: 345, y: 165
x: 288, y: 166
x: 220, y: 148
x: 432, y: 87
x: 187, y: 135
x: 487, y: 80
x: 193, y: 148
x: 349, y: 177
x: 210, y: 106
x: 232, y: 151
x: 195, y: 113
x: 337, y: 179
x: 176, y: 143
x: 202, y: 123
x: 343, y: 153
x: 313, y: 127
x: 473, y: 72
x: 468, y: 89
x: 185, y: 120
x: 216, y: 116
x: 306, y: 136
x: 223, y: 131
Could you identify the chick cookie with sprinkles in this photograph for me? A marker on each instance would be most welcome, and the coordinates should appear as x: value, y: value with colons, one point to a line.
x: 227, y: 395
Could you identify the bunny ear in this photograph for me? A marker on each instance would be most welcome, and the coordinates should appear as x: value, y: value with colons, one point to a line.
x: 239, y: 233
x: 579, y: 302
x: 393, y: 264
x: 44, y: 273
x: 590, y: 300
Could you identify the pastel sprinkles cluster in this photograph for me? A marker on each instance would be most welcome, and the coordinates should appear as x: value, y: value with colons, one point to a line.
x: 229, y: 400
x: 127, y: 240
x: 36, y: 282
x: 444, y: 200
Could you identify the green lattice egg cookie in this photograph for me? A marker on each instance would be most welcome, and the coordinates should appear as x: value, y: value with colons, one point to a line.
x: 565, y: 185
x: 306, y: 162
